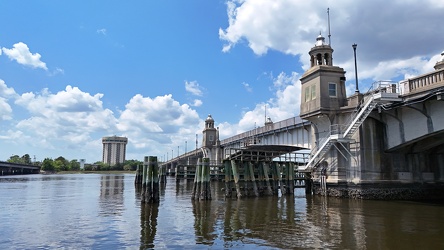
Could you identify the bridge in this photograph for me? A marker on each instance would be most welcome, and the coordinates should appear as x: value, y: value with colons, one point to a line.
x: 8, y: 168
x: 384, y: 143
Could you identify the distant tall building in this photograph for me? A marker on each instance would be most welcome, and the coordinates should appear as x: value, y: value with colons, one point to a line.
x: 114, y: 149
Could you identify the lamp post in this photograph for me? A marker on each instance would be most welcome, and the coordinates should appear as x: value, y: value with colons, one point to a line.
x: 356, y: 68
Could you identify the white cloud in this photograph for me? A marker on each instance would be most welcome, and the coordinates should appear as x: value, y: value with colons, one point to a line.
x: 247, y: 87
x: 5, y: 110
x: 291, y: 27
x: 65, y: 119
x: 20, y: 53
x: 285, y: 104
x: 5, y: 94
x: 197, y: 103
x: 5, y: 91
x: 193, y: 88
x: 57, y: 71
x: 101, y: 31
x: 154, y: 123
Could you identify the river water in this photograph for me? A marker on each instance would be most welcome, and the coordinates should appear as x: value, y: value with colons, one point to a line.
x: 103, y: 211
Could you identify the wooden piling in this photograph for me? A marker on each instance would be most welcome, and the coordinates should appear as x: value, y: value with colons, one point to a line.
x: 266, y: 169
x: 260, y: 178
x: 149, y: 180
x: 308, y: 184
x: 253, y: 179
x: 138, y: 179
x: 144, y: 172
x: 205, y: 192
x: 247, y: 180
x: 197, y: 182
x: 275, y: 177
x: 154, y: 169
x: 290, y: 178
x: 235, y: 169
x: 228, y: 179
x: 150, y: 188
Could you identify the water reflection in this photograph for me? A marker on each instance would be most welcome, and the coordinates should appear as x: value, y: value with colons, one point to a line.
x: 101, y: 212
x: 111, y: 194
x: 148, y: 224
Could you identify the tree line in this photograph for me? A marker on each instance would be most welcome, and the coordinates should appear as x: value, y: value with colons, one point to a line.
x: 62, y: 164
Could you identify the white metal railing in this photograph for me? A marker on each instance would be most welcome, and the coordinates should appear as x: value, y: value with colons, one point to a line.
x: 425, y: 81
x: 259, y: 131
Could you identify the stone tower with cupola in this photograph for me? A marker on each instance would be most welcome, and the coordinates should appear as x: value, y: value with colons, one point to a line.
x: 323, y: 85
x: 323, y: 100
x: 210, y: 141
x: 209, y: 133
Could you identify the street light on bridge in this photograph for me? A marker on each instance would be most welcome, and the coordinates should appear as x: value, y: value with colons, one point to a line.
x: 356, y: 67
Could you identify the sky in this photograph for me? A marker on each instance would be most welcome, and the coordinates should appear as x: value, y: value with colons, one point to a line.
x: 72, y: 72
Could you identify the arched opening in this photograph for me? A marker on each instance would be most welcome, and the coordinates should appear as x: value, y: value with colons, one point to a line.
x: 327, y: 59
x: 319, y: 59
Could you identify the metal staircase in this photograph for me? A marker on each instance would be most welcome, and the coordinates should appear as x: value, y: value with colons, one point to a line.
x: 360, y: 117
x: 360, y: 114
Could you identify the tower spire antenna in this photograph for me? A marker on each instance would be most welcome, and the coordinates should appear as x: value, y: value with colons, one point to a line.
x: 329, y: 35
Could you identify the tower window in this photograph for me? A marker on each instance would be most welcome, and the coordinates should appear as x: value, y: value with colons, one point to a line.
x: 332, y: 89
x: 211, y: 138
x: 313, y: 92
x: 307, y: 94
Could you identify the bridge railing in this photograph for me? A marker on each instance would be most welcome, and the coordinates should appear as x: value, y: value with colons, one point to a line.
x: 249, y: 136
x: 422, y: 82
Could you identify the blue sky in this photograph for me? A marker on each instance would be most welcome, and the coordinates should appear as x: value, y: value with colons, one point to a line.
x: 72, y: 72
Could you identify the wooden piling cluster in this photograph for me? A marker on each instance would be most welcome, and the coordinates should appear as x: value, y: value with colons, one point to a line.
x: 150, y: 180
x: 249, y: 178
x: 202, y: 179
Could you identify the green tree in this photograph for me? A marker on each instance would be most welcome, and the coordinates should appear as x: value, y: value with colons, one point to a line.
x: 48, y: 165
x: 61, y: 164
x: 26, y: 159
x: 132, y: 164
x: 14, y: 159
x: 74, y: 165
